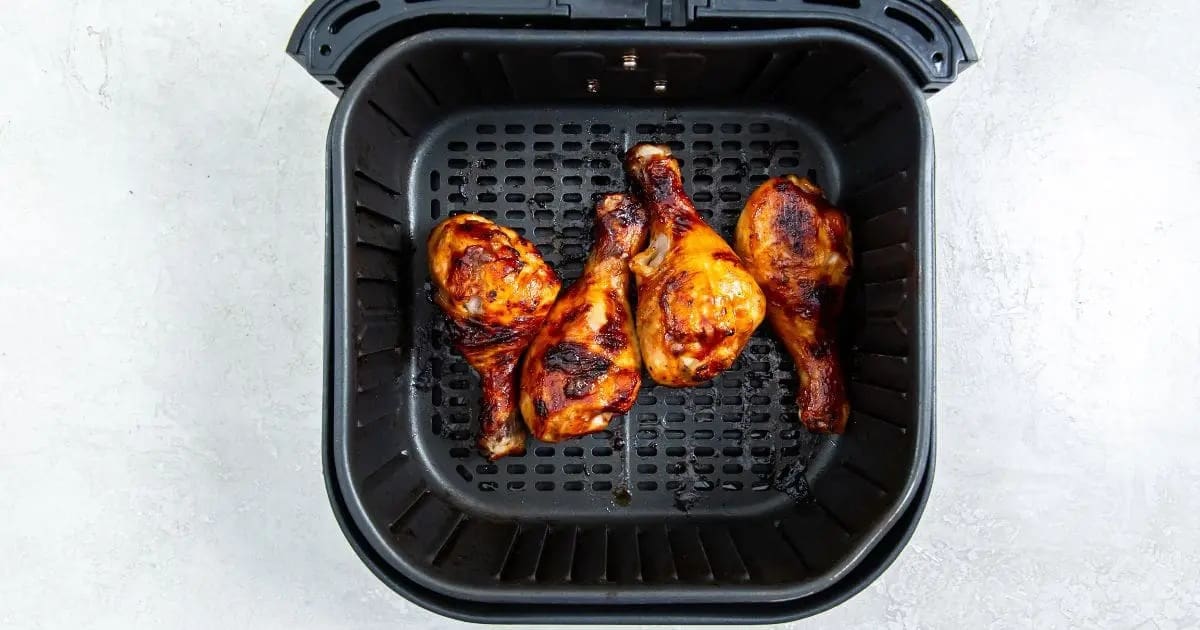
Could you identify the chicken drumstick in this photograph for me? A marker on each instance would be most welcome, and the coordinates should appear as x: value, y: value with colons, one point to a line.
x: 697, y: 303
x: 797, y: 245
x: 583, y: 366
x: 496, y: 291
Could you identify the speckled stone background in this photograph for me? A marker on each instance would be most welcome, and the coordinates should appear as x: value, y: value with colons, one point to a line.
x: 162, y: 193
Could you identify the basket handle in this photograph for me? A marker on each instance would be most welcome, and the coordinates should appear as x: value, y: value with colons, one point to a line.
x: 335, y: 39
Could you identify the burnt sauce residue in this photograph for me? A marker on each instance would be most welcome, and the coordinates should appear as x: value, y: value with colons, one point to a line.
x: 685, y: 498
x: 621, y: 496
x: 790, y: 480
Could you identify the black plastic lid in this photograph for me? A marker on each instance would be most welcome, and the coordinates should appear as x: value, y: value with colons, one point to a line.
x: 335, y: 39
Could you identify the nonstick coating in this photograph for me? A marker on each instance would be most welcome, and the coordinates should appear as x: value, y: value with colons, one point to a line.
x: 708, y: 494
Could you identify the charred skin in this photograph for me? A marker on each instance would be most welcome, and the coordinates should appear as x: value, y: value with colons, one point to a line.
x: 583, y: 365
x: 496, y: 291
x: 697, y: 303
x: 798, y: 247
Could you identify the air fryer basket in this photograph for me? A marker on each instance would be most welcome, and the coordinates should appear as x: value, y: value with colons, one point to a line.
x: 698, y: 496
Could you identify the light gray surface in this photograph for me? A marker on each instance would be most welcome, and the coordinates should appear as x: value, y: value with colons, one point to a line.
x: 161, y: 190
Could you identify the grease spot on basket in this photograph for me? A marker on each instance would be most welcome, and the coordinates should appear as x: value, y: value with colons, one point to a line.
x: 685, y: 499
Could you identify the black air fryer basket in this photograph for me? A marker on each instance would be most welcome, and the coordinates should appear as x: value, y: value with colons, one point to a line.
x: 708, y: 504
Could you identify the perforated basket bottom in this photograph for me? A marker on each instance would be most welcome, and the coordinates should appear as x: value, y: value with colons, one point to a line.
x: 726, y: 448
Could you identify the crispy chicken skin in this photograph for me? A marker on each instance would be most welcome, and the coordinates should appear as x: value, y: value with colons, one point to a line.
x: 583, y: 366
x: 496, y: 290
x: 697, y: 303
x: 798, y: 247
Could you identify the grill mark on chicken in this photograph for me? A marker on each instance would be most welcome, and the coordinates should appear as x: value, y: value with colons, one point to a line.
x: 611, y: 335
x: 663, y: 181
x: 624, y: 398
x: 470, y: 334
x: 804, y: 298
x: 674, y: 332
x: 576, y: 312
x: 583, y: 366
x: 727, y: 257
x: 796, y: 222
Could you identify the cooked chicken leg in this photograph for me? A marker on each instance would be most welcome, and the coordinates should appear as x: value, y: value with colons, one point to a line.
x: 797, y: 246
x: 583, y: 366
x: 697, y: 303
x: 496, y: 290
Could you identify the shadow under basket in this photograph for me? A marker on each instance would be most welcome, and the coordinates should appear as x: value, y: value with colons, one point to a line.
x: 709, y: 495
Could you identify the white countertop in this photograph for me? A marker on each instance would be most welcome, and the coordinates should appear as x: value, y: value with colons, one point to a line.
x: 162, y: 196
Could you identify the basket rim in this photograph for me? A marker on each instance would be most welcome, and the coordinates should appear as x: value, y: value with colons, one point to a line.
x: 340, y: 368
